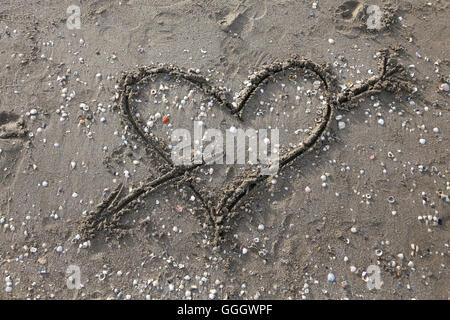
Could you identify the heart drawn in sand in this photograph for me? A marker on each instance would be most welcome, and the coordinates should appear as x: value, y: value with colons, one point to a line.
x: 218, y: 213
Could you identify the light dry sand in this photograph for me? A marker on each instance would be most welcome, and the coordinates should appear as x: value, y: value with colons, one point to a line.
x: 57, y: 161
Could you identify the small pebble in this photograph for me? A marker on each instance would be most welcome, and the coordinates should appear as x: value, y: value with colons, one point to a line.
x: 331, y: 277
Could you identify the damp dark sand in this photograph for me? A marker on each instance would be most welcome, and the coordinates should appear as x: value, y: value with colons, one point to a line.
x: 364, y: 150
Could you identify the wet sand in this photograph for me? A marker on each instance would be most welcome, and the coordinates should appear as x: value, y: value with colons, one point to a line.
x: 85, y: 178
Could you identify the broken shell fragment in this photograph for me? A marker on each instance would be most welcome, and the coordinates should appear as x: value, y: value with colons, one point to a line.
x: 444, y: 87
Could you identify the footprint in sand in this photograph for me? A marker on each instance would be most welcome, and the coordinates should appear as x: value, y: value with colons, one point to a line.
x: 240, y: 21
x: 12, y: 134
x: 353, y: 17
x: 350, y: 18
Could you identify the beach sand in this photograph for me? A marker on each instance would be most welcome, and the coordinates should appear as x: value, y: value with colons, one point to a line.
x: 371, y: 192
